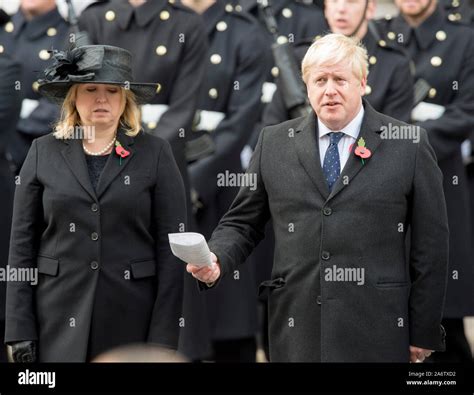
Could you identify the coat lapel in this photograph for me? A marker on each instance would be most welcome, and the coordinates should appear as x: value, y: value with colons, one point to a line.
x: 370, y: 130
x: 307, y: 148
x: 113, y: 167
x: 74, y: 156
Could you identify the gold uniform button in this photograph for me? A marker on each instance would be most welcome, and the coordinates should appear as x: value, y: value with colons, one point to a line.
x: 452, y: 17
x: 110, y: 16
x: 151, y: 125
x: 2, y: 49
x: 372, y: 60
x: 287, y: 13
x: 282, y: 40
x: 441, y: 35
x: 391, y: 35
x: 368, y: 90
x: 238, y: 8
x: 51, y: 32
x: 229, y: 8
x: 388, y: 17
x: 161, y: 50
x: 275, y: 71
x: 44, y: 54
x: 171, y: 1
x: 455, y: 3
x: 436, y: 61
x: 158, y: 88
x: 382, y: 43
x: 35, y: 86
x: 216, y: 59
x: 213, y: 93
x: 9, y: 27
x: 221, y: 26
x: 432, y: 93
x: 164, y: 15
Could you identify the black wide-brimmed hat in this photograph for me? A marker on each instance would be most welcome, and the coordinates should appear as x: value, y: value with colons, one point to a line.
x: 92, y: 64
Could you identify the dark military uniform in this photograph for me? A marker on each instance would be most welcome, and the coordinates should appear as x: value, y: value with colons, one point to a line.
x: 229, y: 105
x: 443, y: 53
x: 296, y: 21
x: 389, y: 84
x: 168, y: 44
x: 28, y: 42
x: 459, y: 11
x: 10, y: 104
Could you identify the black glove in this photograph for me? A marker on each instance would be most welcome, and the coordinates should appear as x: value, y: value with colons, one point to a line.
x: 24, y: 351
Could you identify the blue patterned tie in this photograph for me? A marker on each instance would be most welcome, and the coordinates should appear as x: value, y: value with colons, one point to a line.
x: 332, y: 164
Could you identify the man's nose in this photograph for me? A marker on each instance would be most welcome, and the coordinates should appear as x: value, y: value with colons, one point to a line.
x: 330, y: 88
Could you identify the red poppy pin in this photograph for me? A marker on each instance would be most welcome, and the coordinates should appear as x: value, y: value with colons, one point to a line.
x: 120, y: 151
x: 362, y: 151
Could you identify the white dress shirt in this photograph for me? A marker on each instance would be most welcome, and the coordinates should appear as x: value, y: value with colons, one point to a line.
x: 351, y: 132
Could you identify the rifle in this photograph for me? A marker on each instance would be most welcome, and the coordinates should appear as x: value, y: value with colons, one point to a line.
x: 292, y: 87
x: 81, y: 38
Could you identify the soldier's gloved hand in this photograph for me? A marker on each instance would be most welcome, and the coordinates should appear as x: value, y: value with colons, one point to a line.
x: 24, y: 351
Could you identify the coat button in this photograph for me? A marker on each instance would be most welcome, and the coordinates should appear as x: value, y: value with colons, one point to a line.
x: 327, y: 211
x: 318, y: 299
x: 94, y: 236
x: 51, y: 32
x: 325, y: 255
x: 94, y: 265
x: 161, y: 50
x: 110, y: 16
x: 9, y: 27
x: 95, y: 207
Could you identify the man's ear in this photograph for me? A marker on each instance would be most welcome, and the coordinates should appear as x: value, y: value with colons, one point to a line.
x: 363, y: 84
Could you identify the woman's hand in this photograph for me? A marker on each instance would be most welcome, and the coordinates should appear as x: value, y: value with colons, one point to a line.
x: 206, y: 274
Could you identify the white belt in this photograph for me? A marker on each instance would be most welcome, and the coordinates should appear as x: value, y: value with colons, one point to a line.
x: 268, y: 90
x: 208, y: 120
x: 152, y: 113
x: 424, y: 111
x: 27, y: 107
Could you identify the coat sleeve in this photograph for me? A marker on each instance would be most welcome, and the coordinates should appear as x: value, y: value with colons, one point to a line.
x: 25, y: 236
x: 398, y: 102
x: 169, y: 217
x: 428, y: 251
x: 448, y: 132
x: 243, y: 111
x: 243, y: 226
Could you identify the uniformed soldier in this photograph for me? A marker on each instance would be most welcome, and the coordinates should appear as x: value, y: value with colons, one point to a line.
x: 229, y: 105
x: 443, y: 53
x: 168, y: 44
x: 29, y: 36
x: 296, y: 21
x: 390, y: 84
x: 10, y: 104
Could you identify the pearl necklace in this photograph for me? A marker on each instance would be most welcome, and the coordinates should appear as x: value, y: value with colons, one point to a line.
x: 101, y: 152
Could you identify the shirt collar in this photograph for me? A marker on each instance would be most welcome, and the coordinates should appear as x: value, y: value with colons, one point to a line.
x: 352, y: 129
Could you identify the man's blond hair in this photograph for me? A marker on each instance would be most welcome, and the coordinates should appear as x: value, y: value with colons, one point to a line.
x: 333, y: 49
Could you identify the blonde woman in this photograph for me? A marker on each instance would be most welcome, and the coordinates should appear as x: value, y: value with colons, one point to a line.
x: 93, y: 206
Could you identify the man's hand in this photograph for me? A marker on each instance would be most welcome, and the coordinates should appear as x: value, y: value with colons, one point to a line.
x: 206, y: 274
x: 418, y: 354
x: 24, y: 351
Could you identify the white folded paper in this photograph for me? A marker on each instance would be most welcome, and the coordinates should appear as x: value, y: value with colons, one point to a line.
x: 190, y: 247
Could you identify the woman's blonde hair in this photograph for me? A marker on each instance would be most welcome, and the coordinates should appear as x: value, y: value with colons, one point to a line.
x: 130, y: 120
x: 334, y: 48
